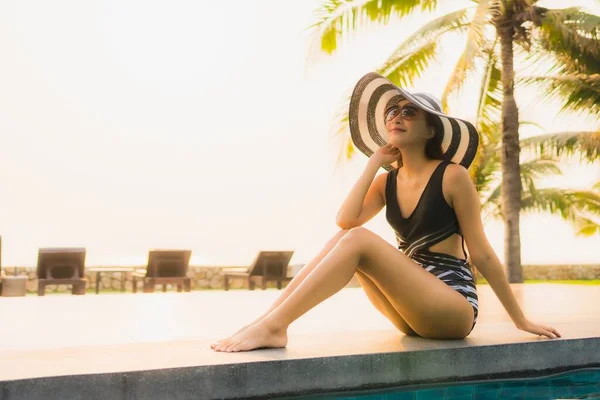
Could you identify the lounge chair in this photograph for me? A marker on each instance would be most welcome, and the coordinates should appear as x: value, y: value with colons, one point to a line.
x: 61, y: 266
x: 165, y: 267
x: 267, y: 266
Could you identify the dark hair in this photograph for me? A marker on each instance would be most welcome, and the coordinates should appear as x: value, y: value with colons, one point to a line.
x: 433, y: 147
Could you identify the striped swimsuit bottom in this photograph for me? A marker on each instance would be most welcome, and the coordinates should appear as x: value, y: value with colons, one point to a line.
x: 454, y: 272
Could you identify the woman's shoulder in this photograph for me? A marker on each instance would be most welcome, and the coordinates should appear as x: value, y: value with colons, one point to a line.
x: 456, y: 177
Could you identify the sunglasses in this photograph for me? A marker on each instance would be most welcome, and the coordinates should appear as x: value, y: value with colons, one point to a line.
x: 408, y: 113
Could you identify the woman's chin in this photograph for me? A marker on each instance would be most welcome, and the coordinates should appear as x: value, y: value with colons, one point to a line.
x: 395, y: 142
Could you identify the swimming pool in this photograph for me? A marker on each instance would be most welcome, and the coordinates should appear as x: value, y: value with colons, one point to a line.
x: 577, y: 384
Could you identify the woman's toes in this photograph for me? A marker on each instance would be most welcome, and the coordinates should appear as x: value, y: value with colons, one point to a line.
x: 230, y: 347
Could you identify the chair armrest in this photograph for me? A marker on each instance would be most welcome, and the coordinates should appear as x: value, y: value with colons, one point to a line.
x: 236, y: 273
x: 234, y: 269
x: 140, y: 273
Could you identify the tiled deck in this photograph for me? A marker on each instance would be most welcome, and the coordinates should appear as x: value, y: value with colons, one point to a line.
x: 148, y: 346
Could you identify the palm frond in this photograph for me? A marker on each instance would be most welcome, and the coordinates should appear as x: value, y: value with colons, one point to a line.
x: 403, y: 69
x: 489, y: 107
x: 570, y: 38
x: 580, y: 207
x: 455, y: 21
x: 337, y: 18
x: 578, y: 92
x: 530, y: 172
x: 586, y: 145
x: 587, y: 226
x: 475, y: 43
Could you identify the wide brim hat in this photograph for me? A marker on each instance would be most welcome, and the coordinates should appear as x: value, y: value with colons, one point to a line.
x: 373, y: 94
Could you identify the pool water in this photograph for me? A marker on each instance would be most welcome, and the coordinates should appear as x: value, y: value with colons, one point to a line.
x: 578, y: 384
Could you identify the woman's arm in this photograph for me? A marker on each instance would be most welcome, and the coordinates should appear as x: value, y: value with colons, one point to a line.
x: 465, y: 201
x: 365, y: 199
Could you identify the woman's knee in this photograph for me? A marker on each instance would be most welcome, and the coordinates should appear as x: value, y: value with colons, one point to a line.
x: 356, y: 235
x: 357, y: 232
x: 355, y: 239
x: 341, y: 233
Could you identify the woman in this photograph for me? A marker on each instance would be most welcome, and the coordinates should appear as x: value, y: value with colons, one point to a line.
x: 427, y: 288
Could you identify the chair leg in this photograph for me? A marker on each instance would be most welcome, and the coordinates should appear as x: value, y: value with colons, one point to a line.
x: 149, y: 285
x: 187, y: 285
x: 41, y: 288
x: 164, y: 289
x: 80, y: 288
x: 263, y: 283
x: 134, y: 284
x: 226, y: 282
x: 251, y: 283
x: 179, y: 287
x: 278, y: 284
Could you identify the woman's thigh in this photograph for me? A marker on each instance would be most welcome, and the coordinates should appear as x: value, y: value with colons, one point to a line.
x: 429, y: 306
x: 382, y: 304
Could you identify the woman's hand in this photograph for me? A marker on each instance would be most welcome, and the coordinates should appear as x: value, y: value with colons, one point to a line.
x: 386, y: 154
x: 541, y: 330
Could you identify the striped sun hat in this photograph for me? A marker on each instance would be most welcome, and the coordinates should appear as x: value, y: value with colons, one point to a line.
x: 373, y: 94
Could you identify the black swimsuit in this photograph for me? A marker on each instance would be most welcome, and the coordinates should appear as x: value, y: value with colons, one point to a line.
x: 432, y: 221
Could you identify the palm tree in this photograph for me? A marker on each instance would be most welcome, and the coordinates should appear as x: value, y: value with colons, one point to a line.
x: 568, y: 37
x: 543, y: 154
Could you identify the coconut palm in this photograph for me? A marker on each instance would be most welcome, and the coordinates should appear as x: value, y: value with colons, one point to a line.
x: 494, y: 31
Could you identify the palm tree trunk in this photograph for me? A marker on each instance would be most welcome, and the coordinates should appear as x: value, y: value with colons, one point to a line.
x: 511, y: 179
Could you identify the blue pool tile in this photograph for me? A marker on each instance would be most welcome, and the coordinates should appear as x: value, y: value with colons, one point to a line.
x: 365, y: 397
x: 513, y: 389
x: 400, y: 396
x: 489, y: 395
x: 431, y: 394
x: 454, y: 391
x: 538, y: 392
x: 487, y: 387
x: 583, y: 390
x: 586, y: 376
x: 561, y: 391
x: 463, y: 397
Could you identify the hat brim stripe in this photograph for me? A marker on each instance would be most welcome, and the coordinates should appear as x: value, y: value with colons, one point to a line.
x: 463, y: 142
x: 375, y: 109
x: 472, y: 145
x: 447, y: 137
x: 432, y: 103
x: 354, y: 116
x: 455, y: 134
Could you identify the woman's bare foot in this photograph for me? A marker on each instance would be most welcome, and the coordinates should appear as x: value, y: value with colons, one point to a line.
x: 215, y: 344
x: 256, y: 336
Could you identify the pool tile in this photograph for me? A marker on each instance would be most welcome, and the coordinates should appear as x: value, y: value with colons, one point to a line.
x: 489, y: 395
x: 400, y: 396
x: 586, y: 376
x: 513, y: 390
x: 431, y: 394
x: 561, y: 391
x: 487, y: 387
x: 463, y: 397
x: 538, y: 392
x: 454, y: 391
x: 583, y: 390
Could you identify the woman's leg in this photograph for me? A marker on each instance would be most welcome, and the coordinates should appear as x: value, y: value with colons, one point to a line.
x: 431, y: 307
x: 382, y: 304
x: 300, y: 276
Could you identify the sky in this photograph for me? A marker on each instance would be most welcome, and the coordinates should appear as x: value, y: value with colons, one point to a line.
x: 131, y: 125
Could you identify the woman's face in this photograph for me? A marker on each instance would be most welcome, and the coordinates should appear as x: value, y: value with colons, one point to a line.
x: 406, y: 125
